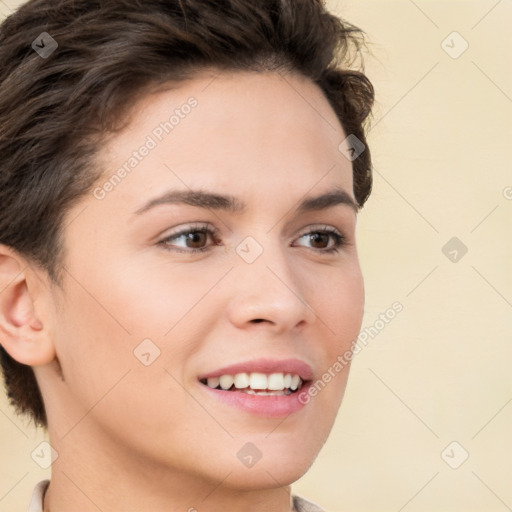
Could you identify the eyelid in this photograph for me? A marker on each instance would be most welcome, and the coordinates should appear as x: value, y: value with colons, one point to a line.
x: 321, y: 227
x: 186, y: 228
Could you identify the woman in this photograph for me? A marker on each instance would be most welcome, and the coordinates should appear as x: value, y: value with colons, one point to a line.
x: 180, y: 187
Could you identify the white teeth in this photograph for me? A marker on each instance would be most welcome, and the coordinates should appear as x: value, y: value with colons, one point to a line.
x: 276, y: 382
x: 226, y: 381
x: 258, y: 381
x: 213, y: 382
x: 241, y: 380
x: 272, y: 384
x: 295, y: 382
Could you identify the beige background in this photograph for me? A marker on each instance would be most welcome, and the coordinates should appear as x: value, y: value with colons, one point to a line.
x: 439, y: 372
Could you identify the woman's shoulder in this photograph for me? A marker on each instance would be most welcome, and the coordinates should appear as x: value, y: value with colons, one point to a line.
x: 302, y: 505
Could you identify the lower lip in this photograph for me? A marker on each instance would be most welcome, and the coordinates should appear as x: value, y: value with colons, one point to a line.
x: 270, y: 406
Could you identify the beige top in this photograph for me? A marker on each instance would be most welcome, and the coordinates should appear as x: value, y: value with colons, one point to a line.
x: 36, y: 504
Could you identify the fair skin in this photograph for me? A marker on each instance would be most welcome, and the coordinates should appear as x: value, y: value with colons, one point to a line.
x: 132, y: 437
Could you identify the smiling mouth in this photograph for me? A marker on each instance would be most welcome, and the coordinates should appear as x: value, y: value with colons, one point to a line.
x: 256, y: 383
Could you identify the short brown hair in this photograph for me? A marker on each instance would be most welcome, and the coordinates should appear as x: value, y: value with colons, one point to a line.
x: 56, y: 110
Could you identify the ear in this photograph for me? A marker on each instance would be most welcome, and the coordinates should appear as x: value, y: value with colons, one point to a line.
x: 24, y: 323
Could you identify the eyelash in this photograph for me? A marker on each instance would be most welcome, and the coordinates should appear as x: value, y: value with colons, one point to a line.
x: 339, y: 239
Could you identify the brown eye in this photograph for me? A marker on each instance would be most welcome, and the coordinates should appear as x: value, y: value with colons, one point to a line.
x: 319, y: 240
x: 323, y: 240
x: 193, y: 239
x: 196, y: 239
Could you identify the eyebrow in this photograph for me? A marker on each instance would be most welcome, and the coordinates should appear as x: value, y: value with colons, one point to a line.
x: 213, y: 201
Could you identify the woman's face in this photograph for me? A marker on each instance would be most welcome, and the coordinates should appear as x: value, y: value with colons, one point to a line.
x: 205, y: 258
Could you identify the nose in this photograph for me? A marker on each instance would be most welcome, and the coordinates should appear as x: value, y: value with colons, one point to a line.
x: 268, y: 291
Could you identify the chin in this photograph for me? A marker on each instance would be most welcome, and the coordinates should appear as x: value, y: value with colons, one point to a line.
x: 280, y: 465
x: 271, y: 477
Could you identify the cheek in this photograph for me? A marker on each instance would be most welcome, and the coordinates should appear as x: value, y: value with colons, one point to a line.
x: 93, y: 348
x: 340, y: 307
x: 107, y: 327
x: 339, y: 304
x: 151, y: 299
x: 106, y: 378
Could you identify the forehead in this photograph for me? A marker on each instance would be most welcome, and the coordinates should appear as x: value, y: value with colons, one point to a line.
x: 230, y: 130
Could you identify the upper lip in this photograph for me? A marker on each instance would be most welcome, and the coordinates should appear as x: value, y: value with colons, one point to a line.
x: 268, y: 366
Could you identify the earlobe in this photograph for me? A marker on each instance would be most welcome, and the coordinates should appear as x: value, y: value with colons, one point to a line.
x: 22, y: 330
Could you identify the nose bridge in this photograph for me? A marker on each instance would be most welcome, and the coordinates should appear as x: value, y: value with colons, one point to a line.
x: 265, y: 261
x: 267, y: 286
